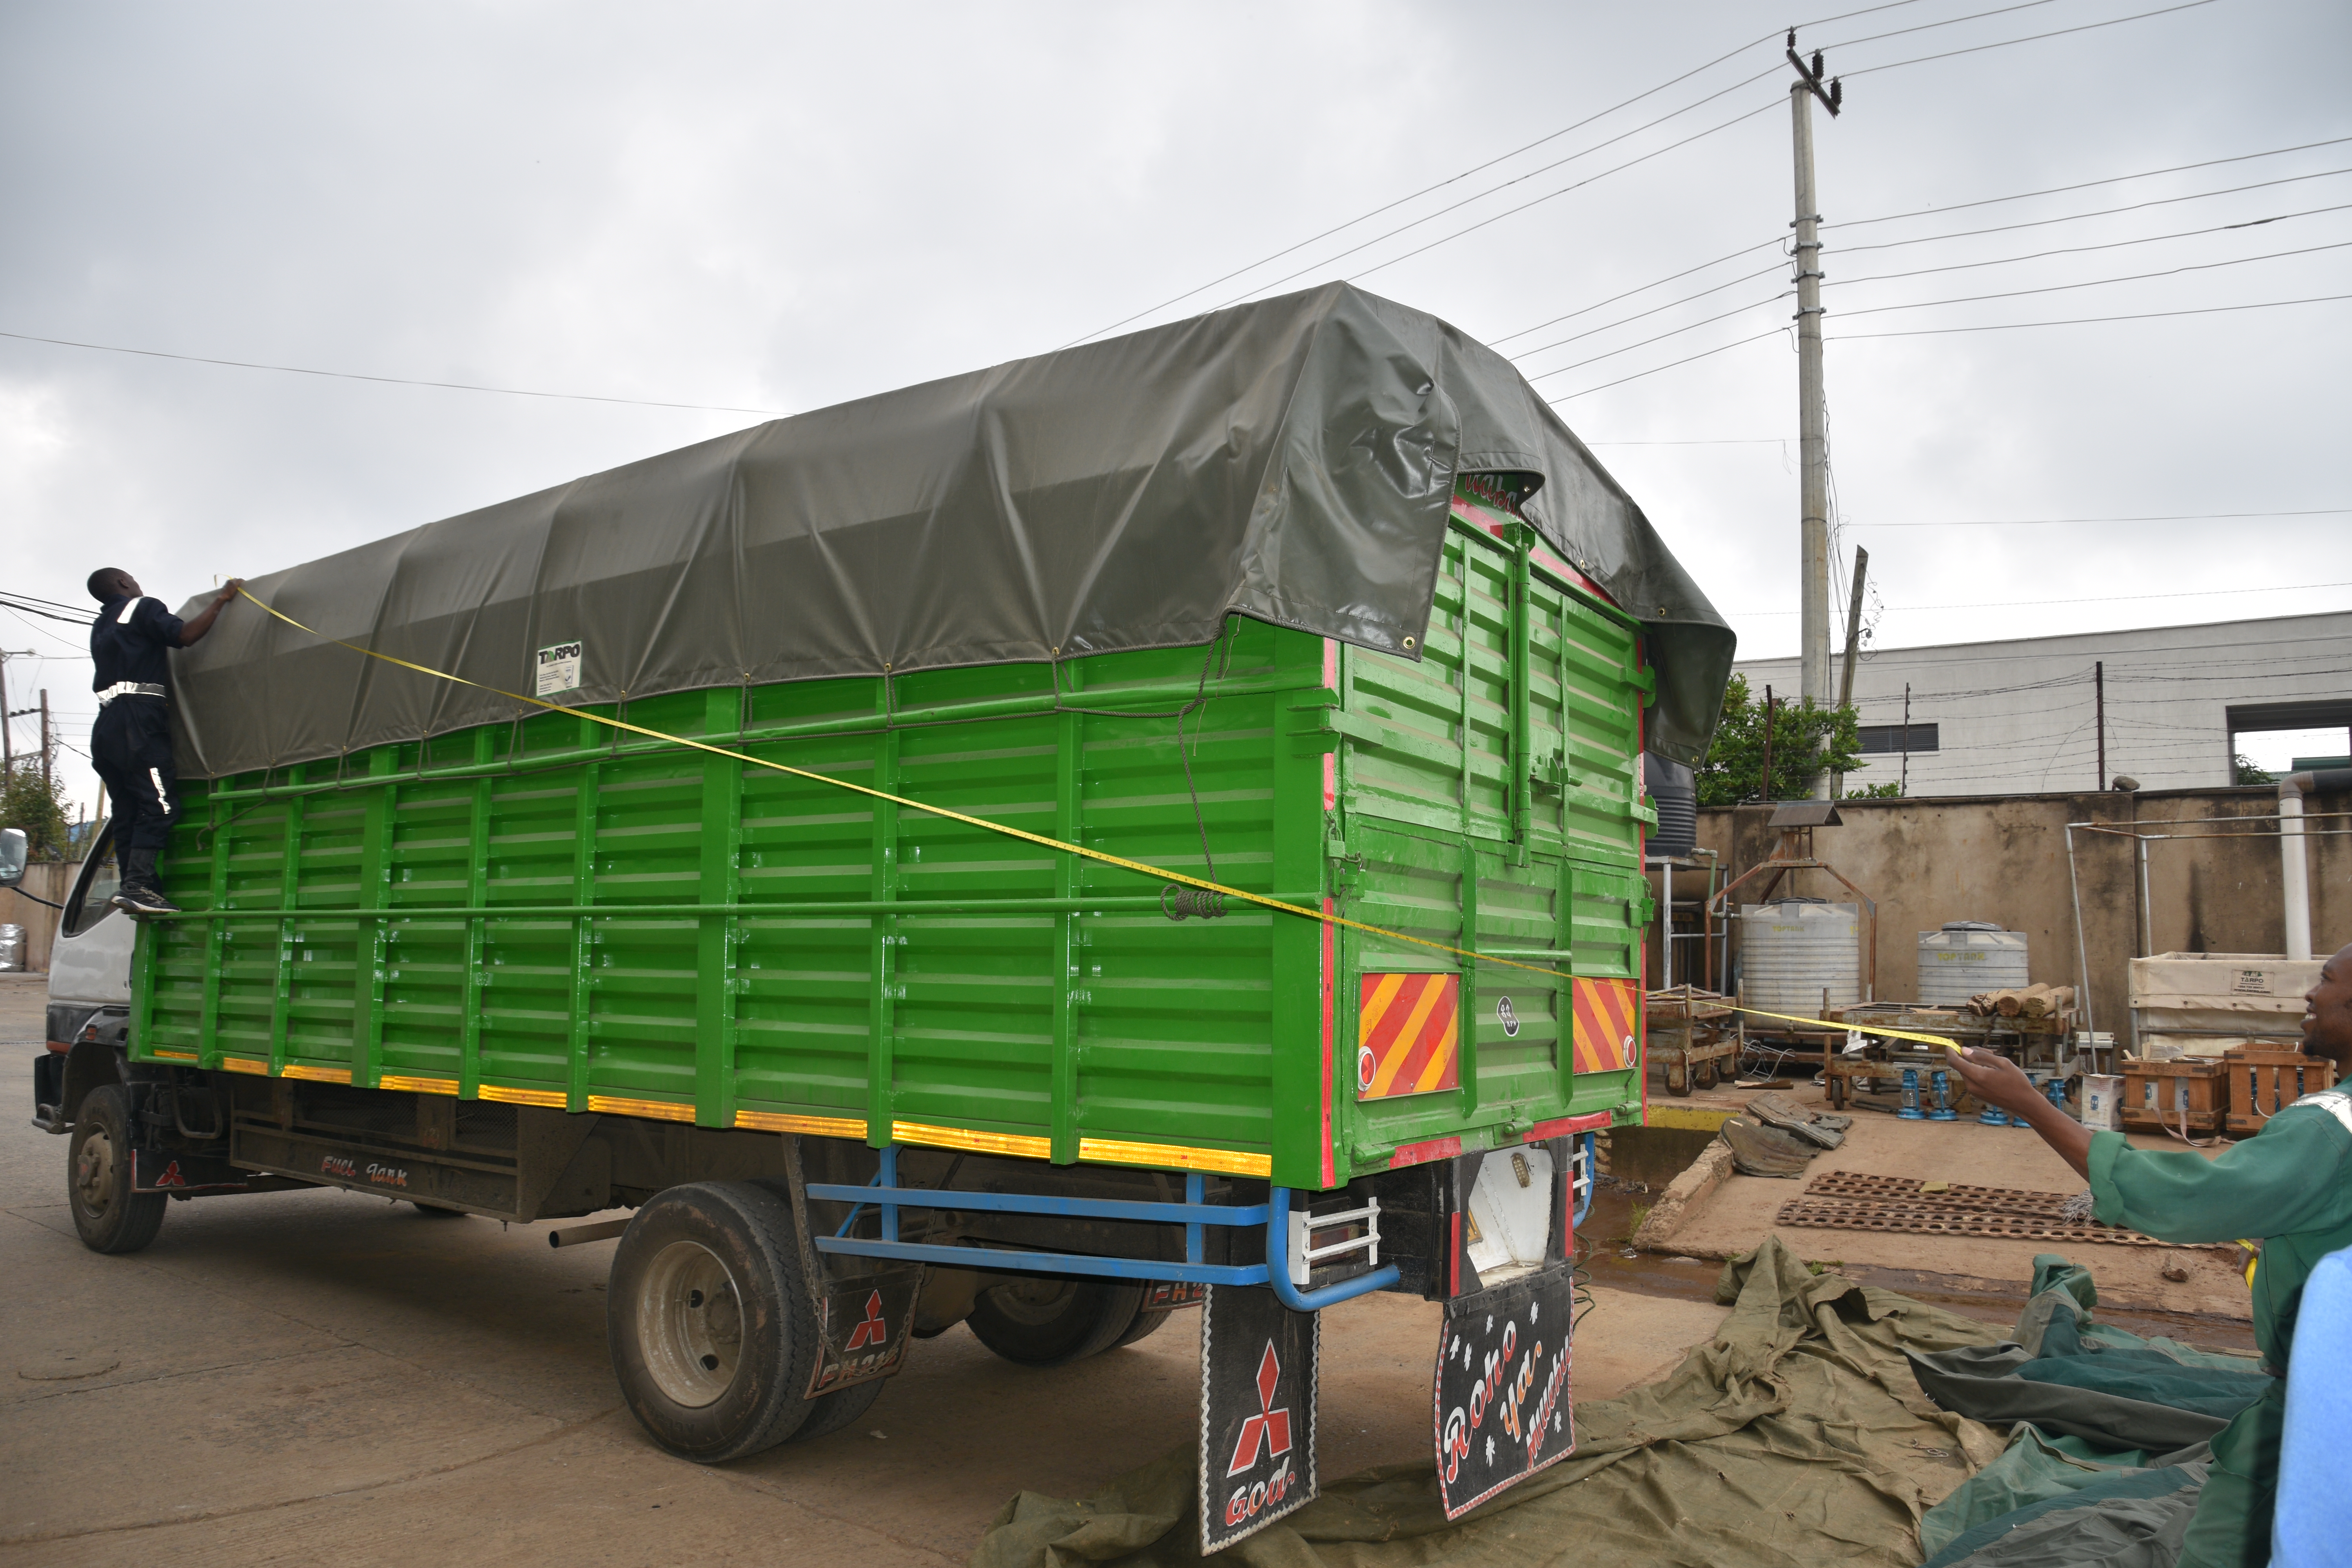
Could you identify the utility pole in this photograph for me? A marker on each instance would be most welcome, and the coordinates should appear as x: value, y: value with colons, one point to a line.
x: 1905, y: 787
x: 2099, y: 708
x: 7, y: 750
x: 1766, y: 790
x: 45, y: 740
x: 1853, y: 644
x: 1812, y: 419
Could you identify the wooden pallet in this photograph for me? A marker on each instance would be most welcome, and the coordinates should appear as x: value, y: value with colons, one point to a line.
x: 1853, y: 1200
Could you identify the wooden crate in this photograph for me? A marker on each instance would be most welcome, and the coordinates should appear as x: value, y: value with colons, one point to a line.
x: 2192, y: 1095
x: 2262, y: 1083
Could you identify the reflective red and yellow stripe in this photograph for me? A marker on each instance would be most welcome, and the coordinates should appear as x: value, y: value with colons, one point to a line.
x: 1605, y: 1023
x: 1408, y: 1034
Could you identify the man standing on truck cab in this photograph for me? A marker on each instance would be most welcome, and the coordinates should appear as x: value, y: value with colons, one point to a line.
x: 130, y: 744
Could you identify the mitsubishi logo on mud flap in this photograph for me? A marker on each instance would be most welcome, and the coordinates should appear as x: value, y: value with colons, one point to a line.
x: 873, y: 1330
x: 171, y: 1176
x: 1270, y: 1428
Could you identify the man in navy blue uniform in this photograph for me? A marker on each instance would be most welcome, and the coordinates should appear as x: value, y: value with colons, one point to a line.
x: 131, y: 745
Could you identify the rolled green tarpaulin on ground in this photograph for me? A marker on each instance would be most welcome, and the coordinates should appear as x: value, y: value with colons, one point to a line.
x: 1786, y: 1442
x: 1292, y: 460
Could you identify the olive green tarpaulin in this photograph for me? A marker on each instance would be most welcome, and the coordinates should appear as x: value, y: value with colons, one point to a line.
x: 1796, y: 1438
x: 1292, y: 460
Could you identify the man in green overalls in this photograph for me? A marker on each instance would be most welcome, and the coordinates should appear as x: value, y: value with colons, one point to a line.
x: 2290, y: 1186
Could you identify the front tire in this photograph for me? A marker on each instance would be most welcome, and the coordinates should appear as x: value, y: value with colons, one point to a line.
x: 107, y: 1214
x: 711, y: 1331
x: 1053, y: 1322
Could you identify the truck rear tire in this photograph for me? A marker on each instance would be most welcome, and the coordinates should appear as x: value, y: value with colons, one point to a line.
x: 1053, y: 1321
x: 107, y: 1214
x: 1146, y: 1324
x: 830, y: 1413
x: 712, y: 1330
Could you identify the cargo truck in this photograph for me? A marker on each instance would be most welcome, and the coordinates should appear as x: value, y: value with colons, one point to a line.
x: 1155, y: 826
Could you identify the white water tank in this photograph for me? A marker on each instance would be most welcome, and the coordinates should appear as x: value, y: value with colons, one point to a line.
x: 1793, y: 950
x: 1968, y: 958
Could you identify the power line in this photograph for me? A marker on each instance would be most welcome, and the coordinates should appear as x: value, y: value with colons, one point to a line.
x: 2041, y: 522
x: 2087, y: 184
x: 2096, y: 282
x: 389, y: 380
x: 1943, y: 656
x: 2036, y: 37
x: 2080, y: 249
x: 2075, y: 218
x: 1645, y: 288
x: 1703, y: 353
x: 2074, y: 321
x: 2093, y: 599
x: 1589, y: 331
x: 1670, y: 332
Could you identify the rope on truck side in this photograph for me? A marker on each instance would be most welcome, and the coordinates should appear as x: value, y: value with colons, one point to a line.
x: 1204, y: 885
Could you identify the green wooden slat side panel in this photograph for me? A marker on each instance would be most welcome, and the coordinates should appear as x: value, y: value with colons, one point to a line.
x: 691, y: 931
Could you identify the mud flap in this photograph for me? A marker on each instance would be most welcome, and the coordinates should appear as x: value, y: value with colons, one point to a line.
x: 861, y: 1325
x: 1501, y: 1403
x: 162, y: 1171
x: 1258, y: 1363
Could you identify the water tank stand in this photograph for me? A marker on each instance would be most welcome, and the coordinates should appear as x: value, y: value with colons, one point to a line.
x: 1796, y: 820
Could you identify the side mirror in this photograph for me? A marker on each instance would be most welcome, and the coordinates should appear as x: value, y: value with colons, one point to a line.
x: 13, y: 850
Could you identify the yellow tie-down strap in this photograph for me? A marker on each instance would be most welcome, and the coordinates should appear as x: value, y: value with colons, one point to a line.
x: 1044, y: 841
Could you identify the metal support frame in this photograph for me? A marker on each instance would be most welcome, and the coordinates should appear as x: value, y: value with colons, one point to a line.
x: 1283, y: 1256
x: 1795, y: 853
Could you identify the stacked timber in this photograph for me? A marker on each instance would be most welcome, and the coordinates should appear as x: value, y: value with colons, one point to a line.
x: 2031, y: 1001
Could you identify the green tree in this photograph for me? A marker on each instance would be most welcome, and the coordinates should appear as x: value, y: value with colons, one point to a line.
x: 38, y: 807
x: 1806, y: 742
x: 2248, y: 774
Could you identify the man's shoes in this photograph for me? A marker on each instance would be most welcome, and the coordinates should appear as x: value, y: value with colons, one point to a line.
x: 143, y: 900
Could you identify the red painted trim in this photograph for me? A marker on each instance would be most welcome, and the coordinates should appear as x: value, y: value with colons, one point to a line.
x: 1331, y: 1172
x: 1423, y: 1153
x: 1641, y: 849
x: 1332, y: 759
x: 1454, y: 1257
x: 1566, y: 1125
x: 1540, y: 556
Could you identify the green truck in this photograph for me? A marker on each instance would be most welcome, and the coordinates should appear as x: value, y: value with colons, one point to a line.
x: 1007, y: 852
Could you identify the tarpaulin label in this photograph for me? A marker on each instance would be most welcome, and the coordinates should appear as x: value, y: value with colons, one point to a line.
x: 559, y: 670
x: 1257, y: 1412
x: 1501, y: 1388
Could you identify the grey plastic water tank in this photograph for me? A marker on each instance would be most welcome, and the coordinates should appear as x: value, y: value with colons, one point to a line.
x: 1794, y: 949
x: 1968, y: 957
x: 1675, y: 792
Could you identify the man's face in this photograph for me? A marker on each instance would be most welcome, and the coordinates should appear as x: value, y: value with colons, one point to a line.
x: 127, y: 585
x: 2328, y: 1014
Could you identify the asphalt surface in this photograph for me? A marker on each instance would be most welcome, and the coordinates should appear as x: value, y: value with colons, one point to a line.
x: 323, y: 1375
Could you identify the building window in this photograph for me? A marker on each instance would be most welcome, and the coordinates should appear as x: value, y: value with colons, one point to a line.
x: 1885, y: 739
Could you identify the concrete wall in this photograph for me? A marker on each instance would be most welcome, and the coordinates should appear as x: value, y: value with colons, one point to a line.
x: 2003, y: 859
x: 49, y: 880
x: 2020, y: 714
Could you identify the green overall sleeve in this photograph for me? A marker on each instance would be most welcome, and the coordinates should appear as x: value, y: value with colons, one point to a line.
x: 2292, y: 1176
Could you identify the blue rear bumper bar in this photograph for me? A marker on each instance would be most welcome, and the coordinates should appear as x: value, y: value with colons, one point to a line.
x: 1192, y: 1213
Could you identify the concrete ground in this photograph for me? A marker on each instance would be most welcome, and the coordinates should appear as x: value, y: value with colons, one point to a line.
x: 1742, y: 1210
x: 306, y: 1376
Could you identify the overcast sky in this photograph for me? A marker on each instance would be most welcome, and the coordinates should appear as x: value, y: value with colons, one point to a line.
x: 778, y: 207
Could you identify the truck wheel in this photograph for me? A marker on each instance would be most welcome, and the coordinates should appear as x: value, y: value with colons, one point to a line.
x: 710, y: 1323
x: 107, y: 1216
x: 1052, y: 1322
x: 829, y: 1413
x: 1146, y: 1324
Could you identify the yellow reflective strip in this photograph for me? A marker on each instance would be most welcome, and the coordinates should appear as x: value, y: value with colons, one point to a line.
x: 315, y: 1075
x: 553, y: 1098
x: 1176, y: 1157
x: 1016, y: 1145
x: 1432, y: 991
x: 659, y: 1110
x: 816, y: 1126
x: 241, y: 1064
x: 1442, y: 1057
x: 418, y: 1084
x: 1376, y: 1006
x: 162, y: 1055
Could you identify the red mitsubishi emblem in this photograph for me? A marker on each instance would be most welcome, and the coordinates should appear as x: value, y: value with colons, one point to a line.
x: 1271, y: 1426
x: 873, y: 1330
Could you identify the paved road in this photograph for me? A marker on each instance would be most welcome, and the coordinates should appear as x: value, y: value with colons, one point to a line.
x: 308, y: 1376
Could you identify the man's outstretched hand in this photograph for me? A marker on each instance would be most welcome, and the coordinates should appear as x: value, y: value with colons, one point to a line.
x: 2003, y: 1084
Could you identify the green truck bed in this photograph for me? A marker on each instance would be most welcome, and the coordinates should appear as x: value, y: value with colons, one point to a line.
x: 555, y: 914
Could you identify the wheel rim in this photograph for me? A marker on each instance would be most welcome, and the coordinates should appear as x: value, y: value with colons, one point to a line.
x: 1035, y: 1302
x: 690, y: 1323
x: 93, y: 1175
